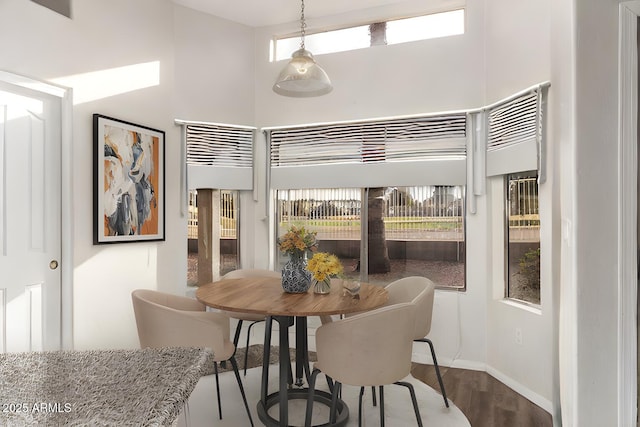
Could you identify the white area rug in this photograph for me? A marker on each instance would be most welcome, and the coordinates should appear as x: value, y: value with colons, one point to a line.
x: 203, y: 407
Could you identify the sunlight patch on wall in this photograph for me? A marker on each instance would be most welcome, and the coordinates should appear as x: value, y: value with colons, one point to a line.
x: 114, y: 81
x: 19, y: 105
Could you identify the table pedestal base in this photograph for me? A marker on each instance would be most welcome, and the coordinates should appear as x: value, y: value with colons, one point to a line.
x: 319, y: 396
x: 285, y: 391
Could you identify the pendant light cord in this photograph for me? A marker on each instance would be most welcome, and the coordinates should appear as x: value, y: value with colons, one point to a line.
x: 303, y: 26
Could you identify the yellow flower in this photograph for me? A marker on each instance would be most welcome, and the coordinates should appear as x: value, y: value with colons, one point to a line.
x: 297, y: 241
x: 324, y: 265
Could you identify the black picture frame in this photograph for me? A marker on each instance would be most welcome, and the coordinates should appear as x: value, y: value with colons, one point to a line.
x: 128, y: 181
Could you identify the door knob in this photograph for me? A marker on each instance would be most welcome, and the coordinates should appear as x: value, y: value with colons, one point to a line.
x: 53, y: 264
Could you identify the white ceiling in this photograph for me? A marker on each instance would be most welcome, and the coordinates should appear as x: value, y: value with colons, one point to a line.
x: 258, y: 13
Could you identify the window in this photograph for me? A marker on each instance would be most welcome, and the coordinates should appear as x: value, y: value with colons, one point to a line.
x: 381, y: 233
x: 515, y: 144
x: 334, y: 214
x: 522, y: 237
x: 226, y: 253
x: 390, y: 32
x: 219, y: 164
x: 410, y: 231
x: 229, y: 231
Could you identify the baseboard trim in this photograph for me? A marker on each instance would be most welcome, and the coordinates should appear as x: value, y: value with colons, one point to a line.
x: 527, y: 393
x: 521, y: 390
x: 425, y: 359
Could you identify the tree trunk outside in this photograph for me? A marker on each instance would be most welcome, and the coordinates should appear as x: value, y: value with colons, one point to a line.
x: 208, y: 235
x: 378, y: 252
x: 378, y: 34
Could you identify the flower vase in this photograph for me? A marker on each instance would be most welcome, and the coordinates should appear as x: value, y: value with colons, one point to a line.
x: 322, y: 286
x: 295, y: 276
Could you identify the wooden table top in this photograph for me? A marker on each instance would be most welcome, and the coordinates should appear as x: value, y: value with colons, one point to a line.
x: 262, y: 295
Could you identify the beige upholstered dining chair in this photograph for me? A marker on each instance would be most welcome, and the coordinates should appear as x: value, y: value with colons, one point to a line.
x: 369, y: 349
x: 166, y: 320
x: 247, y: 317
x: 419, y: 291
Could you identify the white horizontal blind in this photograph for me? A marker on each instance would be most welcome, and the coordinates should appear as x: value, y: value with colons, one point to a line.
x: 219, y: 156
x: 514, y: 123
x: 219, y: 145
x: 375, y: 141
x: 514, y: 134
x: 405, y: 151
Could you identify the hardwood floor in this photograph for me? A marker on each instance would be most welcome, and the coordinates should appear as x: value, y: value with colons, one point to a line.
x: 485, y: 401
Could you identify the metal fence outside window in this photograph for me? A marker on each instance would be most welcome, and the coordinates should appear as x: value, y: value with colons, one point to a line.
x: 228, y: 214
x: 523, y: 212
x: 410, y: 213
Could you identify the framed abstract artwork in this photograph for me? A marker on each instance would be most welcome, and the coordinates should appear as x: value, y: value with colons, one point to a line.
x: 128, y: 202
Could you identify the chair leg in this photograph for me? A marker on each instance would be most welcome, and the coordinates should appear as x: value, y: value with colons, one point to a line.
x: 381, y: 406
x: 312, y: 385
x: 414, y: 401
x: 215, y: 369
x: 246, y: 349
x: 246, y: 352
x: 435, y: 365
x: 265, y: 358
x: 236, y: 336
x: 290, y: 370
x: 337, y: 388
x: 244, y: 397
x: 373, y: 395
x: 329, y: 383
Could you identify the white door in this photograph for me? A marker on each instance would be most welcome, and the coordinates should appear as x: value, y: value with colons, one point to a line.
x: 30, y: 190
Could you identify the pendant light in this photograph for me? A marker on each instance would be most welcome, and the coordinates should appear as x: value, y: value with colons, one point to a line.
x: 302, y: 77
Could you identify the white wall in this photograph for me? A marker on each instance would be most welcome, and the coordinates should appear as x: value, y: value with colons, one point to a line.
x: 592, y: 342
x: 426, y: 76
x: 518, y: 56
x: 102, y: 36
x: 214, y: 78
x: 113, y: 35
x: 585, y: 113
x: 562, y: 132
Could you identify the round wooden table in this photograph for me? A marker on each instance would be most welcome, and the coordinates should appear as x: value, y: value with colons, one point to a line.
x: 262, y: 295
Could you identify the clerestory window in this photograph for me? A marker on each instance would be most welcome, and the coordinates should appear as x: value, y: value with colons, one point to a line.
x: 389, y: 32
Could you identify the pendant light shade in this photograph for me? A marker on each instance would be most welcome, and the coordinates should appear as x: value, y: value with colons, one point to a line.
x: 302, y: 77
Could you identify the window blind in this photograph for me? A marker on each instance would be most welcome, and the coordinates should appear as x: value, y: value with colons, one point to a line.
x: 361, y: 153
x: 515, y: 122
x: 375, y: 141
x: 219, y: 145
x: 515, y: 133
x: 219, y: 156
